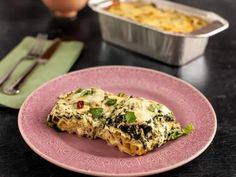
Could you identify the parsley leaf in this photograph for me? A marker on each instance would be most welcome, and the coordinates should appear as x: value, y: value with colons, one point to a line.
x: 111, y: 102
x: 79, y: 90
x: 87, y: 92
x: 185, y: 131
x: 130, y: 117
x: 96, y: 112
x: 188, y: 129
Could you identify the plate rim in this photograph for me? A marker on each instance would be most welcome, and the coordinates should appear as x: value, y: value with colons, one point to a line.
x: 77, y: 170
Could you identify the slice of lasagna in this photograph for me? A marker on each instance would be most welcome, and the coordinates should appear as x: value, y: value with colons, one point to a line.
x: 134, y: 124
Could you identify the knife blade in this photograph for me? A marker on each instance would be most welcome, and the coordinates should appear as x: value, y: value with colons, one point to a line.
x: 52, y: 49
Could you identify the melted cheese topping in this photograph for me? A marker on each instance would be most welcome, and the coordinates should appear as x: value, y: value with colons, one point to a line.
x: 141, y: 109
x: 135, y: 125
x: 167, y: 20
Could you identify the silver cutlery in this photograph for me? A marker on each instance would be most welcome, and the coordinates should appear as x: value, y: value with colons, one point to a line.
x: 14, y: 88
x: 35, y: 51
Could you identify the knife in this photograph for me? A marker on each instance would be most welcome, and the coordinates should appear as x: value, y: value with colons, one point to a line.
x: 14, y: 88
x: 51, y: 50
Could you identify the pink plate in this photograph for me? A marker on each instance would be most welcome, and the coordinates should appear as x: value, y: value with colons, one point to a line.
x: 95, y: 157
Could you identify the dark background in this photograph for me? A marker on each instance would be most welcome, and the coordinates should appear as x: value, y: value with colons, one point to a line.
x: 213, y: 74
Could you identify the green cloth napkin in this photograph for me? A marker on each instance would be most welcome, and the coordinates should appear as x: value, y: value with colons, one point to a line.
x: 60, y: 63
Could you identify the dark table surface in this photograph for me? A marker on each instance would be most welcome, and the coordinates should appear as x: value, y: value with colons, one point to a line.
x: 213, y: 74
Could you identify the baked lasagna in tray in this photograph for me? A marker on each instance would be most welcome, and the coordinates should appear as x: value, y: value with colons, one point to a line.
x: 150, y: 15
x: 134, y: 124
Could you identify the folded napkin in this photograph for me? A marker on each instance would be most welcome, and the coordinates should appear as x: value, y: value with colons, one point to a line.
x: 60, y: 63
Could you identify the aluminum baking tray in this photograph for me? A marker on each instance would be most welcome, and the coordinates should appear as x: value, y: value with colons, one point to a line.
x: 170, y: 48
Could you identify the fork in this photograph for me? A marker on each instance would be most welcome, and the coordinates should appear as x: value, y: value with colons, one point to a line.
x: 35, y: 51
x: 14, y: 87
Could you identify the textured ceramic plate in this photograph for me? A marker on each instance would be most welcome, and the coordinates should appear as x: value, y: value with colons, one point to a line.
x: 95, y: 157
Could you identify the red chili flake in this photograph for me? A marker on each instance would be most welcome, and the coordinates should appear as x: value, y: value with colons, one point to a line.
x: 80, y: 104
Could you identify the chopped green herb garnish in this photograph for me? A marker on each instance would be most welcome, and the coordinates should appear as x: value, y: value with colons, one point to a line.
x: 185, y: 131
x: 188, y: 129
x: 111, y: 102
x: 79, y: 90
x: 87, y: 92
x: 54, y: 126
x: 130, y: 117
x: 121, y: 94
x: 176, y: 135
x: 96, y: 112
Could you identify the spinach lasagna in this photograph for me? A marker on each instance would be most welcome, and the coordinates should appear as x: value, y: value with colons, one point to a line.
x: 164, y: 19
x: 134, y: 124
